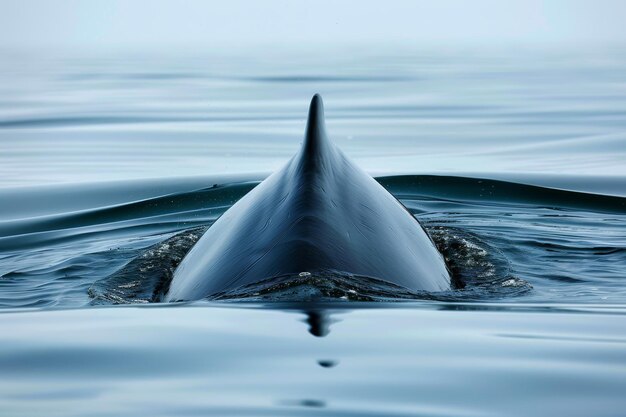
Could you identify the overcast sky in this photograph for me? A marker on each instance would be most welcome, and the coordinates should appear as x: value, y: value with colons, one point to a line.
x: 111, y: 23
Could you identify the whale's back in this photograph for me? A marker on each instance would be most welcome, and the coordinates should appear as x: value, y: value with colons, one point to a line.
x: 320, y: 212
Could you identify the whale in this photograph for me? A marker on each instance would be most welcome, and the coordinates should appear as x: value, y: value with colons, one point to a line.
x: 318, y: 214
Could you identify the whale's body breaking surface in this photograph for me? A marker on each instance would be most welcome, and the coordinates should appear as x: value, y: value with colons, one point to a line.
x: 320, y: 212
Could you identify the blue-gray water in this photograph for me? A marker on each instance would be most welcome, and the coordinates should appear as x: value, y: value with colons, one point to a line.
x: 112, y: 165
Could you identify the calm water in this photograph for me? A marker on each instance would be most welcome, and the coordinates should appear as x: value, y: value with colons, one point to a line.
x: 112, y: 165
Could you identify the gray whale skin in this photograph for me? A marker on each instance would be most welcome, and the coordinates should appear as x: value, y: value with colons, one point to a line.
x: 320, y: 212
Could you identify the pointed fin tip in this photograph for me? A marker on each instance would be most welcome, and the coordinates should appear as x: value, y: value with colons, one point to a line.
x: 315, y: 133
x: 316, y: 113
x: 317, y: 105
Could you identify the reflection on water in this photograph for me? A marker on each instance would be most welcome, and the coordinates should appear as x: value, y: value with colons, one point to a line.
x: 327, y: 363
x: 319, y: 322
x: 422, y: 359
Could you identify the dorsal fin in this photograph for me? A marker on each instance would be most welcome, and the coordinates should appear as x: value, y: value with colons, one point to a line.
x: 316, y: 145
x: 319, y: 214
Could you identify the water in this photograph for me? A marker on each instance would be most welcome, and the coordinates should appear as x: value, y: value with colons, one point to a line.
x: 418, y: 360
x: 111, y: 167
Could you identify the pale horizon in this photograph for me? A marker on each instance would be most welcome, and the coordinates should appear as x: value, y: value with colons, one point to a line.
x: 237, y: 24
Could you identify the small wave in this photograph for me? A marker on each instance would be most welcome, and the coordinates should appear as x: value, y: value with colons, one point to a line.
x: 496, y: 191
x: 328, y: 79
x: 102, y: 120
x: 205, y: 204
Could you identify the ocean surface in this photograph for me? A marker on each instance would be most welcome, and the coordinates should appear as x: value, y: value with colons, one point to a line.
x: 113, y: 164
